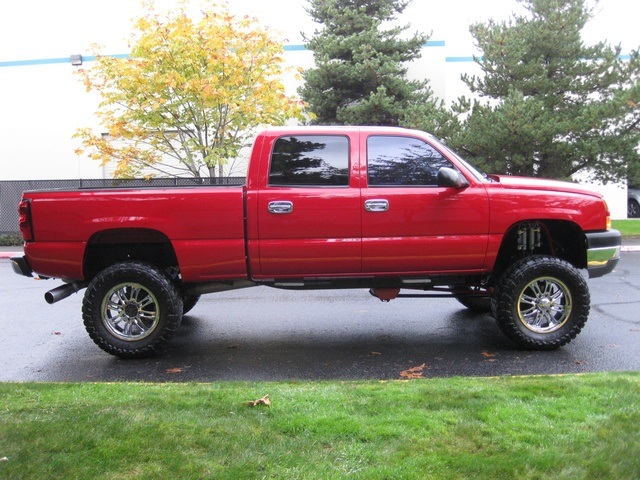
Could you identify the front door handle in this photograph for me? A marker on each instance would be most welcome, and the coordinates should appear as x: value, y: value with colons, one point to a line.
x: 280, y: 207
x: 376, y: 205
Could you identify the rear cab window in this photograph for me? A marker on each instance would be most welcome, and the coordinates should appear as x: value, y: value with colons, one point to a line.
x: 310, y: 160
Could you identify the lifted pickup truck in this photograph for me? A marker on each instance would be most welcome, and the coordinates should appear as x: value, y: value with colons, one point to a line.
x: 387, y: 209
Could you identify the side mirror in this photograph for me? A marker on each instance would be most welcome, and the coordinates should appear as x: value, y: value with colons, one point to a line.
x: 448, y: 177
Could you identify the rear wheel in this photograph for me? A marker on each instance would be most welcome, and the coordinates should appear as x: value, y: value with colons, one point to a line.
x: 132, y: 309
x: 633, y: 208
x: 541, y: 302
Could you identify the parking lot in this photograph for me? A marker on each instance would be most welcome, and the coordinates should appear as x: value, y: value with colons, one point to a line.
x: 266, y: 334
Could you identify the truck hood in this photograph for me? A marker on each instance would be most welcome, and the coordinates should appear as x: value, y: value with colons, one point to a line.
x: 527, y: 183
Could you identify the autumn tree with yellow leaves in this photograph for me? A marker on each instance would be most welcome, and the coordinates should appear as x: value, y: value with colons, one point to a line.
x: 191, y: 92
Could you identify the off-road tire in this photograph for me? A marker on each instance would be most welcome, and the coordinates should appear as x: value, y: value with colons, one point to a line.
x: 541, y: 302
x: 132, y: 309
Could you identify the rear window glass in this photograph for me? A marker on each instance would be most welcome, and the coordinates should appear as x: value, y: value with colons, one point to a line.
x: 310, y: 160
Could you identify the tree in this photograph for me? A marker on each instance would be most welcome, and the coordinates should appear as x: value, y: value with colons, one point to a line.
x: 191, y: 91
x: 551, y: 106
x: 360, y: 73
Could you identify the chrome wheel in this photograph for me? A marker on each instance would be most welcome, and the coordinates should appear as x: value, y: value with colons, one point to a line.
x: 130, y: 311
x: 545, y: 305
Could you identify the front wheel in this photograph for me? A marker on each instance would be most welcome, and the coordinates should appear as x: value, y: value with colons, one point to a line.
x: 188, y: 302
x: 131, y: 309
x: 541, y: 302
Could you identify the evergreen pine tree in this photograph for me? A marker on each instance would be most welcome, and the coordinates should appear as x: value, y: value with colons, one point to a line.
x: 551, y: 106
x: 360, y: 74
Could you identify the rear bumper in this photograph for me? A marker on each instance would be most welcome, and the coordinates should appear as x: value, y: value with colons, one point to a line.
x: 603, y: 252
x: 21, y: 266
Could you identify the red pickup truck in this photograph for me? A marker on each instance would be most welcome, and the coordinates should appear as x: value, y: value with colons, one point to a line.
x: 387, y: 209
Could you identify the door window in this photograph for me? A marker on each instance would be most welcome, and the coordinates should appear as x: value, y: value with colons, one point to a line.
x: 403, y: 161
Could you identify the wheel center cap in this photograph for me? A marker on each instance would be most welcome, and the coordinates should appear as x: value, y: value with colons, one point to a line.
x: 545, y: 304
x: 131, y: 310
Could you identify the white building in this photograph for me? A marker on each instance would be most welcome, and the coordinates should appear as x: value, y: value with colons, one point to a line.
x: 43, y: 102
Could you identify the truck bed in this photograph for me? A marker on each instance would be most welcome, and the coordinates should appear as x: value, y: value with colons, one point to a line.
x: 205, y: 225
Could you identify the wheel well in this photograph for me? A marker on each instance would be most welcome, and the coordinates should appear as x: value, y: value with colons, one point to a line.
x: 557, y: 238
x: 113, y: 246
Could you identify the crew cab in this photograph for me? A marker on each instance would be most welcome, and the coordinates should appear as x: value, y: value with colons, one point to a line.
x: 386, y: 209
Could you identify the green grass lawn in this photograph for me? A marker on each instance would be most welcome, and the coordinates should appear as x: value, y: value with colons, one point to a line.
x: 628, y: 228
x: 561, y: 427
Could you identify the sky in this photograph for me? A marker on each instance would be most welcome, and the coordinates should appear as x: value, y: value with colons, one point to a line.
x: 35, y: 29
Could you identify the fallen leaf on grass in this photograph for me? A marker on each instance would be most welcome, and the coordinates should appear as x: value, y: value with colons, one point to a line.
x: 414, y: 372
x: 4, y: 459
x: 174, y: 370
x: 261, y: 401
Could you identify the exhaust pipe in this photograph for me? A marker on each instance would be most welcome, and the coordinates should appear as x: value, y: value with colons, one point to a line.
x: 63, y: 291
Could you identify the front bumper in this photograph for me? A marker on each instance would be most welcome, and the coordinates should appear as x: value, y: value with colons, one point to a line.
x: 603, y: 252
x: 21, y: 266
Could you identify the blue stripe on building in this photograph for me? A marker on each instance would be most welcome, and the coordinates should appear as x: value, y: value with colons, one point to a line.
x: 52, y: 61
x: 287, y: 48
x: 92, y: 58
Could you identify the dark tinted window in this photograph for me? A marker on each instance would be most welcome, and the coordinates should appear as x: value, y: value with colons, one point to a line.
x: 403, y: 161
x: 310, y: 160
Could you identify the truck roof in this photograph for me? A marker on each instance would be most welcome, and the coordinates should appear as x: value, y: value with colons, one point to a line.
x: 337, y: 129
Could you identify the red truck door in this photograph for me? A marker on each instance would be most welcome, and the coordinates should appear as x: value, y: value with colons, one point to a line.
x: 410, y: 224
x: 309, y: 211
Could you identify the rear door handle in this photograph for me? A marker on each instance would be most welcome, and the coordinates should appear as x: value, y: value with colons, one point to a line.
x: 280, y: 207
x: 376, y: 205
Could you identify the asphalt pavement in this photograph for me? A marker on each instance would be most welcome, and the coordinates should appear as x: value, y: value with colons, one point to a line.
x: 267, y: 334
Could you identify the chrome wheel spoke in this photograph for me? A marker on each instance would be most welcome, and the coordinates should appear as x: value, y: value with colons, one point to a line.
x: 148, y: 300
x: 122, y: 296
x: 128, y: 329
x: 531, y: 312
x: 133, y: 294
